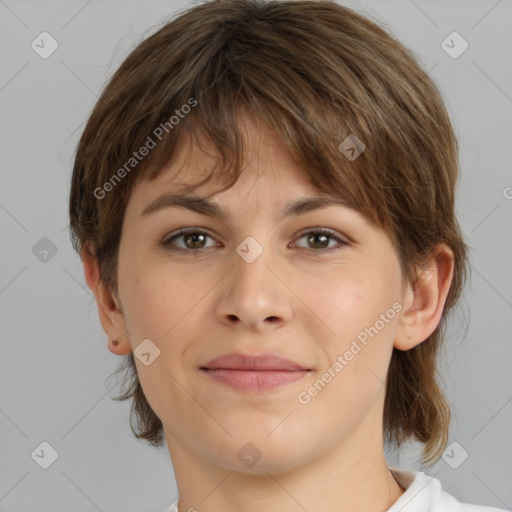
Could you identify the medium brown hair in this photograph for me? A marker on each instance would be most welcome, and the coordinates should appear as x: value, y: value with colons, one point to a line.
x: 316, y: 72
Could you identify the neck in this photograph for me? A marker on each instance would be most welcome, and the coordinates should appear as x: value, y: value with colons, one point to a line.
x: 353, y: 477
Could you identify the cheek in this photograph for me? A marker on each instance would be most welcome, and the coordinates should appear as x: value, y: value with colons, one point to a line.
x: 151, y: 300
x: 355, y: 358
x: 358, y: 320
x: 164, y: 302
x: 160, y: 307
x: 345, y: 302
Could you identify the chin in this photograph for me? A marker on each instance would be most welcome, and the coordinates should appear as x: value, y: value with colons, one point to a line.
x: 260, y: 455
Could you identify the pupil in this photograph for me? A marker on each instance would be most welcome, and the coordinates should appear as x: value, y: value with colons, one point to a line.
x: 194, y: 238
x: 317, y: 235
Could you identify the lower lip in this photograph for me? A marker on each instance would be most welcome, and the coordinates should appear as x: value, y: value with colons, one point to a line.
x: 253, y: 380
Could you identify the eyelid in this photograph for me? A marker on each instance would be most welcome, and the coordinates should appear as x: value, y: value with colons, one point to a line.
x: 186, y: 231
x: 327, y: 231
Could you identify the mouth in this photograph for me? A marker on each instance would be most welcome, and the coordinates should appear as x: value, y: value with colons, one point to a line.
x: 255, y: 380
x: 254, y: 373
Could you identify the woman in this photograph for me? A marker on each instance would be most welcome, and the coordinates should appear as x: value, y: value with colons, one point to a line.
x: 263, y: 201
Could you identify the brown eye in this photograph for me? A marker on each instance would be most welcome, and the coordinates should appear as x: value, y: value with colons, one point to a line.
x: 319, y: 239
x: 194, y: 240
x: 191, y: 241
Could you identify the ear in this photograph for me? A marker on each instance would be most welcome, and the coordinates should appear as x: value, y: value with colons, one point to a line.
x: 423, y: 306
x: 111, y: 316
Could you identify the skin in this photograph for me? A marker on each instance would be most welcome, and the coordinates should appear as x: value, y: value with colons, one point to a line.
x: 293, y: 301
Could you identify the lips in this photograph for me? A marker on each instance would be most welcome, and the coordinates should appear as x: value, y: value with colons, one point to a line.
x: 263, y: 362
x: 254, y: 373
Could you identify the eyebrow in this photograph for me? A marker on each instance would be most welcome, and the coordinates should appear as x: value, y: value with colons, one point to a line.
x: 205, y: 207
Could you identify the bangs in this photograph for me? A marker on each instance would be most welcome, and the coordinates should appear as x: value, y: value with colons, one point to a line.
x: 316, y: 155
x: 227, y: 147
x: 313, y: 113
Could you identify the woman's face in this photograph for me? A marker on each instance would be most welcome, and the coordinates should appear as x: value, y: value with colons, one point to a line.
x: 258, y: 282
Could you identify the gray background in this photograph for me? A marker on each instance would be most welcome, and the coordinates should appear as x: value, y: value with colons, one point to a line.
x: 55, y: 365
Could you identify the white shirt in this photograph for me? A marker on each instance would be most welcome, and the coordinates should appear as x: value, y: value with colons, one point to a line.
x: 422, y: 494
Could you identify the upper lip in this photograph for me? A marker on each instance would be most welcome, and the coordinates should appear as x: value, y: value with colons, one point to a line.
x: 261, y: 362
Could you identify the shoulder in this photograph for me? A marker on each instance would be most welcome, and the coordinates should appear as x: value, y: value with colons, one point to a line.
x: 425, y: 494
x: 172, y: 508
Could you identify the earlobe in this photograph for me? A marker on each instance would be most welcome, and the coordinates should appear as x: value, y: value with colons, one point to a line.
x: 424, y: 305
x: 119, y: 347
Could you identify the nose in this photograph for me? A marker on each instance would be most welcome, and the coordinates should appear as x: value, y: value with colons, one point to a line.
x: 255, y: 295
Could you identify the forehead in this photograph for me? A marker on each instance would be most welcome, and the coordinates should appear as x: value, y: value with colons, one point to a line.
x: 267, y: 179
x: 266, y: 160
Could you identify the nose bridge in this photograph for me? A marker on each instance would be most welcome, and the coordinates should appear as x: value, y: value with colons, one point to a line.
x: 252, y: 265
x: 253, y: 294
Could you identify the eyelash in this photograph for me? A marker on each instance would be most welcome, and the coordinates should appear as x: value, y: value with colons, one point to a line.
x: 320, y: 231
